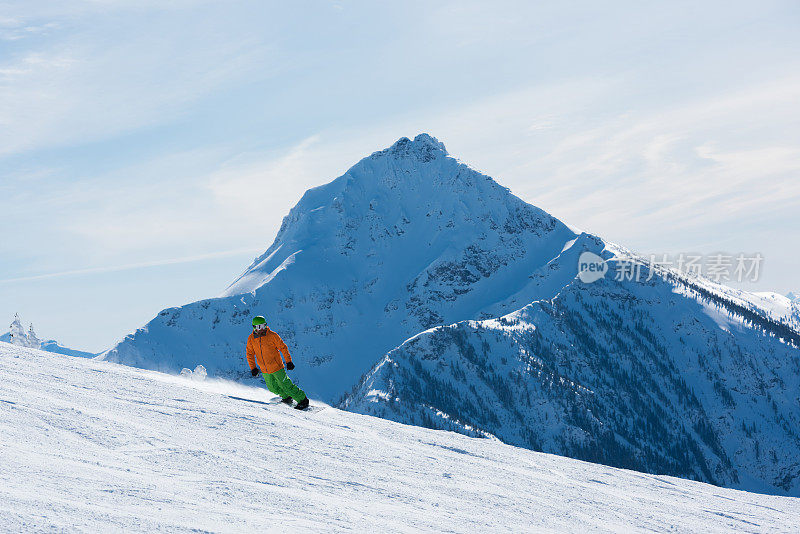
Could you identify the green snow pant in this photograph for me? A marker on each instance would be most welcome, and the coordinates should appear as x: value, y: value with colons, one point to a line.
x: 280, y: 385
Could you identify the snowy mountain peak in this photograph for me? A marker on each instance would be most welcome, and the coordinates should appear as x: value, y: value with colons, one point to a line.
x: 408, y: 195
x: 424, y: 147
x: 794, y: 297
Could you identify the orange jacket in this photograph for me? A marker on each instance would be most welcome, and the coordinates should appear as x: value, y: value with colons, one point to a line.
x: 266, y: 350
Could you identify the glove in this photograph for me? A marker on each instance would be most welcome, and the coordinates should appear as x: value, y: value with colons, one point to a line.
x: 254, y: 372
x: 289, y: 366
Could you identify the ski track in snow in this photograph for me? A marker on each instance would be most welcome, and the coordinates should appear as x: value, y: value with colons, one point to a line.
x: 95, y: 446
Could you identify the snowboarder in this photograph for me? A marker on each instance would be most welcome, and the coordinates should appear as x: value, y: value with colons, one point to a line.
x: 264, y: 347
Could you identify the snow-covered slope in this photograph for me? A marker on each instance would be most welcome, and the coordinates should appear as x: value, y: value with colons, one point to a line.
x: 407, y: 239
x: 93, y: 446
x: 785, y: 308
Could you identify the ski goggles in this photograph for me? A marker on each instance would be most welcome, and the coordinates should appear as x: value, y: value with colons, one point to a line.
x: 260, y: 328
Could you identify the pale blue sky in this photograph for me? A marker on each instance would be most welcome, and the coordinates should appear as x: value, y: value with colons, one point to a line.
x: 149, y: 149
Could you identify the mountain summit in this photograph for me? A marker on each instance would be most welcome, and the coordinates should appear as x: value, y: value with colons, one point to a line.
x: 423, y: 146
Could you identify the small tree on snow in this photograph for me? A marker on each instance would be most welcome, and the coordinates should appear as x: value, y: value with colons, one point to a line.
x: 33, y: 340
x: 18, y: 335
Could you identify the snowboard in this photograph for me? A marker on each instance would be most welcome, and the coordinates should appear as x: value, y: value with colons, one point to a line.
x: 277, y: 401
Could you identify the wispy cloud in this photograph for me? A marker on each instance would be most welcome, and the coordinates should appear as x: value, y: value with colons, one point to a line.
x: 666, y: 168
x: 14, y: 30
x: 132, y: 266
x: 263, y: 187
x: 78, y: 87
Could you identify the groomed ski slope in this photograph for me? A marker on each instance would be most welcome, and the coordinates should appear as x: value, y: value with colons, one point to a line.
x: 95, y: 446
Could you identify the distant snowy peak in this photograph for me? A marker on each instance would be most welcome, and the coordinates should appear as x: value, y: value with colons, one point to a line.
x: 794, y: 297
x: 51, y: 345
x: 410, y: 192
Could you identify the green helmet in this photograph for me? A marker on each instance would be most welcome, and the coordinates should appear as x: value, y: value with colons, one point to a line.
x: 259, y: 320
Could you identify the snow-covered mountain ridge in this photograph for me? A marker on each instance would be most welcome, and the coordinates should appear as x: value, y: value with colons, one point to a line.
x: 93, y: 446
x: 649, y: 376
x: 673, y: 374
